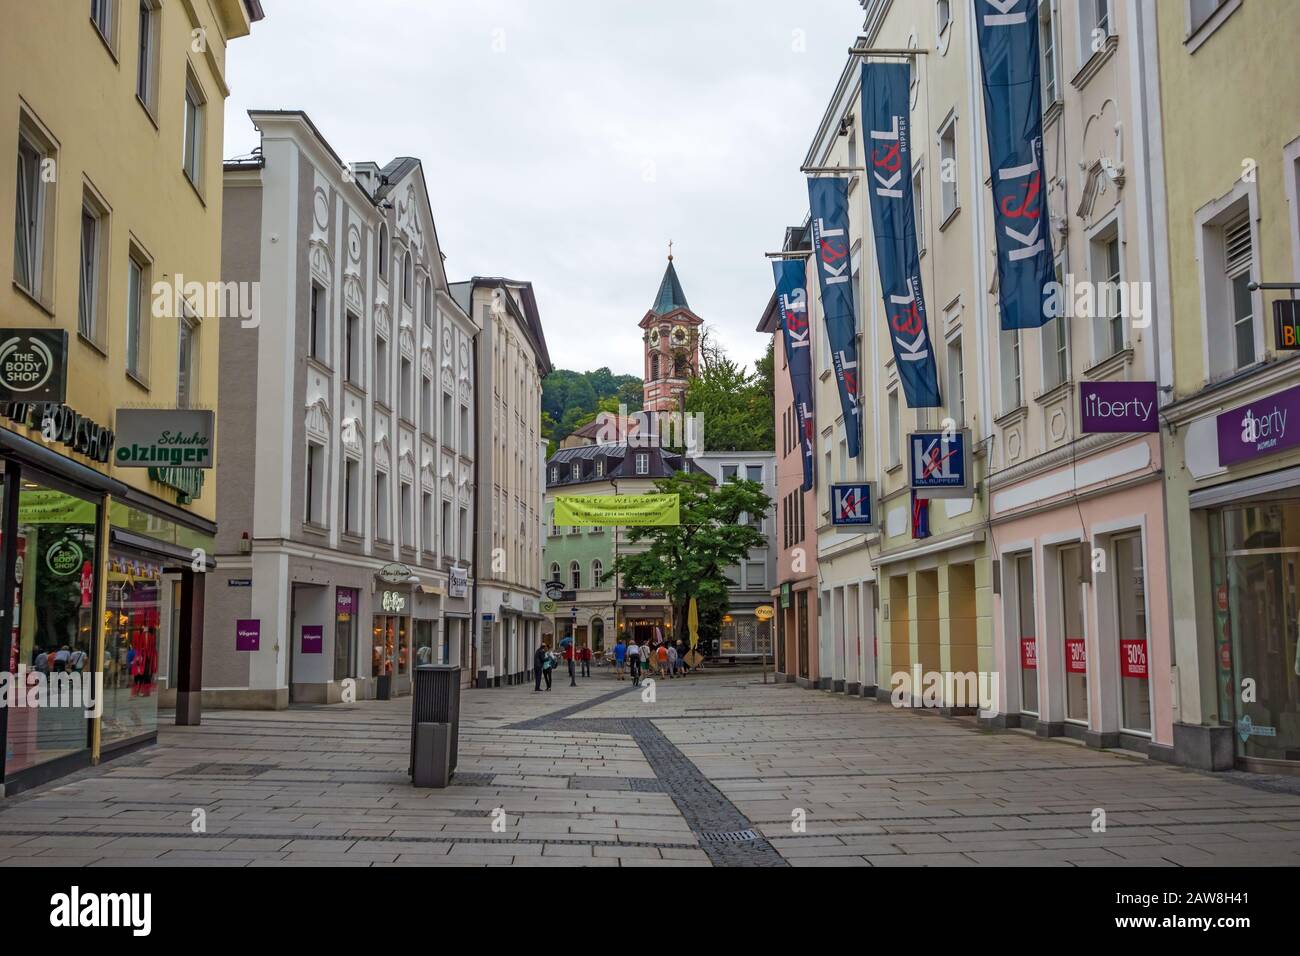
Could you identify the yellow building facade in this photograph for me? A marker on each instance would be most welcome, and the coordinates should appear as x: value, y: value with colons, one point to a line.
x: 111, y: 121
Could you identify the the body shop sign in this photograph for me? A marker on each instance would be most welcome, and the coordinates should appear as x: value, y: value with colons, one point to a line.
x: 33, y: 365
x: 153, y: 437
x: 1261, y: 428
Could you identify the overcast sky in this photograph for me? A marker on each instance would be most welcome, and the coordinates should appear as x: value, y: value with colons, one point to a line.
x: 566, y: 141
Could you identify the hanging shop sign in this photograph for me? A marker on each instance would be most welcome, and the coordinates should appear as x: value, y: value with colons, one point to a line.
x: 248, y: 634
x: 395, y: 573
x: 625, y: 511
x: 940, y: 463
x: 828, y: 199
x: 393, y: 602
x: 59, y: 423
x: 34, y: 365
x: 1118, y: 407
x: 764, y: 612
x: 313, y: 639
x: 854, y: 505
x: 640, y: 594
x: 1007, y: 31
x: 787, y: 592
x: 886, y: 105
x: 179, y: 437
x: 1286, y: 324
x: 186, y: 482
x: 792, y: 304
x: 458, y: 582
x: 1261, y: 428
x: 553, y: 589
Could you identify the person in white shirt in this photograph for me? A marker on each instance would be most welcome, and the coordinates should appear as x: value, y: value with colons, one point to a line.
x: 634, y: 661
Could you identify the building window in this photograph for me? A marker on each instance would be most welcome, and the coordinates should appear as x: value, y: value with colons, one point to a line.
x: 381, y: 369
x: 445, y: 429
x: 575, y: 471
x: 405, y: 504
x: 1106, y: 273
x: 314, y: 510
x: 1238, y: 260
x: 575, y: 575
x: 1026, y: 632
x: 102, y: 15
x: 351, y: 496
x: 465, y: 445
x: 408, y: 278
x: 137, y: 316
x: 427, y: 304
x: 555, y: 475
x: 90, y: 300
x: 642, y: 463
x: 956, y: 381
x: 318, y: 324
x: 465, y: 531
x: 948, y: 170
x: 1131, y: 611
x: 895, y: 429
x: 754, y: 473
x: 187, y: 361
x: 1009, y: 359
x: 426, y: 404
x: 1047, y: 50
x: 942, y: 15
x: 146, y: 65
x: 918, y: 194
x: 597, y: 569
x: 446, y: 528
x: 192, y: 155
x: 351, y: 348
x: 382, y: 252
x: 382, y: 529
x: 600, y: 467
x: 426, y: 522
x: 1199, y: 13
x: 756, y: 575
x: 1073, y: 634
x: 729, y: 473
x: 1056, y: 343
x: 33, y: 213
x: 1095, y: 25
x: 404, y: 385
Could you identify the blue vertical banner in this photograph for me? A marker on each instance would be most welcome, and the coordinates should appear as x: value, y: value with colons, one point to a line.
x: 1013, y: 111
x: 829, y: 201
x: 792, y: 304
x: 885, y: 114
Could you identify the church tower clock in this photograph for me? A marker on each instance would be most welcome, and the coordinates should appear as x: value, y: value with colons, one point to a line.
x: 671, y: 340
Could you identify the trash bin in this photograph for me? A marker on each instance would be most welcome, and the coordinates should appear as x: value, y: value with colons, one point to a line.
x: 435, y: 699
x: 384, y: 687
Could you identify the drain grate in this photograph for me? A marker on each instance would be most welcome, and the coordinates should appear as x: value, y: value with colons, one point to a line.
x: 729, y: 836
x: 225, y: 770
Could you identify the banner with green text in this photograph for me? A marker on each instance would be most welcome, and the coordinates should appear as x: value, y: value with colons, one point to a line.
x: 610, y: 511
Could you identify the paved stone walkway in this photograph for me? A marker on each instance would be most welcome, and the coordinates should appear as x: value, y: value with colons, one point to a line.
x: 719, y: 769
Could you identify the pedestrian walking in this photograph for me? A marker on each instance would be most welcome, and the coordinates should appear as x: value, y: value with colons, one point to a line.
x: 634, y: 662
x: 586, y: 662
x: 661, y: 656
x: 672, y: 661
x: 620, y: 657
x: 542, y: 665
x: 569, y: 658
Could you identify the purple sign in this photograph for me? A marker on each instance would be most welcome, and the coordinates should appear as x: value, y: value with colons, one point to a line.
x: 313, y: 639
x: 1260, y: 428
x: 345, y: 601
x: 1119, y: 407
x: 248, y: 635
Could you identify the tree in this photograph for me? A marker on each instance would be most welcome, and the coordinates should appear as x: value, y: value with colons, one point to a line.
x: 688, y: 560
x: 572, y: 399
x: 737, y: 409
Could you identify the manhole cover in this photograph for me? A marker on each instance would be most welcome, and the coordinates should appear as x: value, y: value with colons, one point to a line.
x: 729, y: 836
x: 226, y: 770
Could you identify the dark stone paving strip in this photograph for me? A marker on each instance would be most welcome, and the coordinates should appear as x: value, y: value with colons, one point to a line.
x: 706, y: 810
x: 336, y: 838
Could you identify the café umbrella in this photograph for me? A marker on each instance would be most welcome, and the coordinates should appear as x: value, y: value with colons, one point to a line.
x: 693, y: 622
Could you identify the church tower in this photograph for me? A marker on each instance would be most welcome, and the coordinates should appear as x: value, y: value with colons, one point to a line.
x: 671, y: 340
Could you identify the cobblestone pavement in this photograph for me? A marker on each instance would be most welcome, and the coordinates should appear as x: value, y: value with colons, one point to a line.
x: 719, y: 769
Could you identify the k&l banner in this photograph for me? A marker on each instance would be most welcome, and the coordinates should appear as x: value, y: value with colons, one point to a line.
x: 792, y: 302
x: 885, y: 104
x: 1008, y: 42
x: 829, y: 200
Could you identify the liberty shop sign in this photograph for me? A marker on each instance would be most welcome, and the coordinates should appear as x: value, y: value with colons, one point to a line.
x: 1118, y: 407
x: 1261, y: 428
x: 33, y: 365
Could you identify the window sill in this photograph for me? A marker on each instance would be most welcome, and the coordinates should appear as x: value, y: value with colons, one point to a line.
x: 950, y: 217
x: 352, y: 537
x: 194, y: 186
x: 148, y: 111
x: 312, y: 527
x: 108, y: 44
x: 320, y: 365
x: 1012, y: 416
x: 1095, y: 62
x: 44, y: 306
x: 1055, y: 392
x: 92, y: 344
x: 889, y: 470
x: 1194, y: 40
x: 1053, y: 112
x: 137, y: 379
x: 1110, y: 364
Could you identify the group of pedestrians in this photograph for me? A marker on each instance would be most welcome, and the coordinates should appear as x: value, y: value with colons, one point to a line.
x: 637, y: 659
x: 545, y: 662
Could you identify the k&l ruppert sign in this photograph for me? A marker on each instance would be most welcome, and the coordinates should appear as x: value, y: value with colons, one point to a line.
x: 33, y: 365
x: 153, y: 437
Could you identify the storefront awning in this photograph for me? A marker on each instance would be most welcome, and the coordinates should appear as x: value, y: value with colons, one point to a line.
x: 432, y: 589
x: 58, y: 465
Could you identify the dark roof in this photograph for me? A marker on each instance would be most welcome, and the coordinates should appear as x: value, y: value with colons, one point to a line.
x: 530, y: 320
x: 394, y: 171
x: 670, y: 295
x: 620, y: 462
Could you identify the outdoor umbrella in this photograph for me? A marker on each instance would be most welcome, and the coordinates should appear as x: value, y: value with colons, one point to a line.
x: 693, y: 622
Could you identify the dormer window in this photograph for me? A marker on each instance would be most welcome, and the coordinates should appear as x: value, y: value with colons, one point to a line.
x: 555, y: 475
x: 600, y: 467
x: 575, y: 471
x: 643, y: 463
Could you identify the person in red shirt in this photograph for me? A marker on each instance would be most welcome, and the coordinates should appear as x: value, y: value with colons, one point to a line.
x: 570, y: 657
x: 585, y: 656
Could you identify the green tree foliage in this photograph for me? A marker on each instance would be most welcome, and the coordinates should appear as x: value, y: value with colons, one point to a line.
x: 572, y: 399
x: 688, y: 560
x: 737, y: 408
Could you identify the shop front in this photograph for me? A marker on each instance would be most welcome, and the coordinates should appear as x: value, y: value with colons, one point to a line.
x: 390, y: 640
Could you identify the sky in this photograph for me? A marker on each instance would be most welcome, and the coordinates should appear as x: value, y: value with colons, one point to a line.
x: 565, y: 142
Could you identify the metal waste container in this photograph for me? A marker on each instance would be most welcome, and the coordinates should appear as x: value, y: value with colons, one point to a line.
x: 435, y: 700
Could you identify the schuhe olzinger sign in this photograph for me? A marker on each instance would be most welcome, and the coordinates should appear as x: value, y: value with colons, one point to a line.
x: 175, y: 437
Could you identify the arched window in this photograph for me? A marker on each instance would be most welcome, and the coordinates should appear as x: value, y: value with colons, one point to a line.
x: 654, y: 367
x: 597, y: 569
x: 407, y: 278
x: 575, y: 572
x: 427, y: 295
x: 555, y: 570
x: 382, y: 252
x: 598, y: 634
